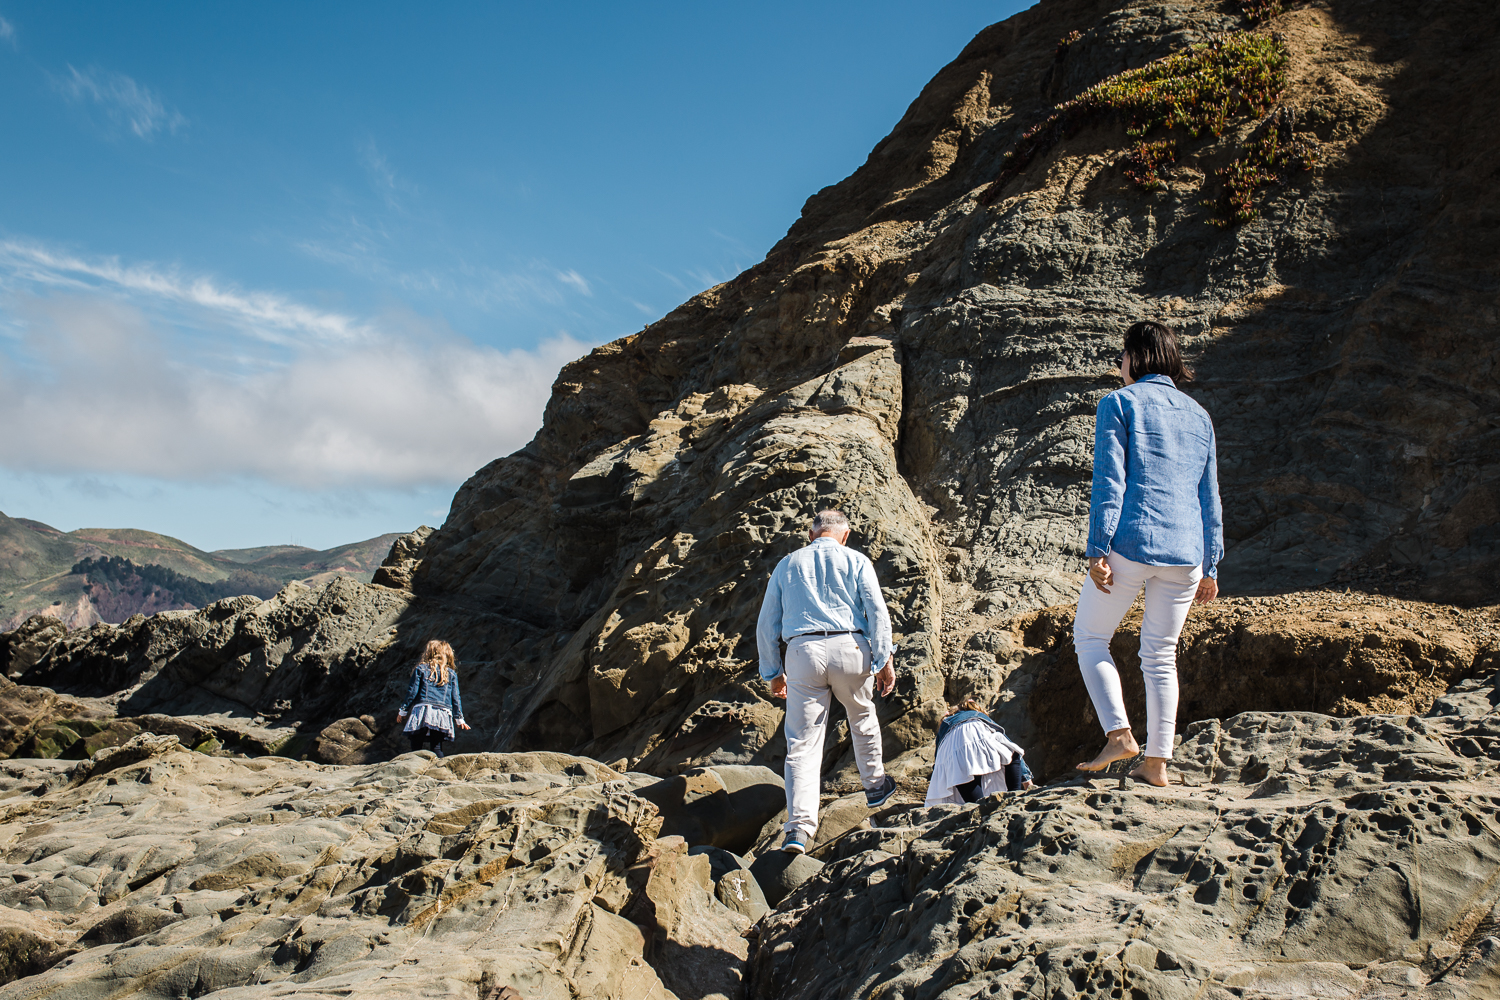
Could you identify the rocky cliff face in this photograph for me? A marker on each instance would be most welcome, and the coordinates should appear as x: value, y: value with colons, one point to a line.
x: 925, y: 349
x: 932, y: 364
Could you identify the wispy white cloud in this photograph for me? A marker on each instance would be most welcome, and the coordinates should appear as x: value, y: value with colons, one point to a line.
x: 383, y: 177
x: 571, y: 277
x: 708, y: 279
x: 648, y: 310
x: 127, y: 104
x: 672, y: 278
x: 7, y: 32
x: 363, y: 249
x: 95, y: 388
x: 264, y: 314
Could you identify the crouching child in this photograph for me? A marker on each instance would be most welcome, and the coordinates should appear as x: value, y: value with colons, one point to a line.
x: 974, y: 759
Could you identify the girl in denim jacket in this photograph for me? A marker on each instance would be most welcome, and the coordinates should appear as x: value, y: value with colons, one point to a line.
x: 432, y: 708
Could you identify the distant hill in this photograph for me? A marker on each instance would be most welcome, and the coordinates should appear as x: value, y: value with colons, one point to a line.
x: 37, y: 575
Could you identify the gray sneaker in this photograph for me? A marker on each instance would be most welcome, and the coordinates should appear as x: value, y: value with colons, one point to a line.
x: 793, y: 844
x: 881, y: 795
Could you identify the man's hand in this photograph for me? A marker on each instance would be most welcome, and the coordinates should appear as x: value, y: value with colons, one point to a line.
x: 778, y: 686
x: 1100, y: 573
x: 1208, y: 589
x: 885, y: 681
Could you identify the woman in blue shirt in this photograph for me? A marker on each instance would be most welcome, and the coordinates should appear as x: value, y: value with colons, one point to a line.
x: 1154, y: 524
x: 432, y: 707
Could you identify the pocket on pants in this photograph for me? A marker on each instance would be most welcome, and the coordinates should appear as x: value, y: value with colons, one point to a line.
x: 855, y: 660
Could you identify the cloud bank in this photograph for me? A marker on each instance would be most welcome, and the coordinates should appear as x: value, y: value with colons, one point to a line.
x: 114, y: 369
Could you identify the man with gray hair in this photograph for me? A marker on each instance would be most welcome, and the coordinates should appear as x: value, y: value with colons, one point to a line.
x: 825, y: 601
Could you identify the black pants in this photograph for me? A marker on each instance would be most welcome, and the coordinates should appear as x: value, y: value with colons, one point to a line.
x: 425, y: 735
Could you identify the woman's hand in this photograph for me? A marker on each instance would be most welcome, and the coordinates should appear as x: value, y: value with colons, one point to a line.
x: 1208, y: 589
x: 1101, y: 574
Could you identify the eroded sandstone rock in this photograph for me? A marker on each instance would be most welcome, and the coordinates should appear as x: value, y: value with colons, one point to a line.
x: 1301, y: 856
x: 170, y: 871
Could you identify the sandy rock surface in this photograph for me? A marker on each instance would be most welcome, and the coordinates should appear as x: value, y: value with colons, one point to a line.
x: 1300, y: 855
x: 170, y: 873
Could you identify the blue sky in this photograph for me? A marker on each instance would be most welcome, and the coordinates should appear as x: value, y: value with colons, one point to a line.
x: 291, y: 272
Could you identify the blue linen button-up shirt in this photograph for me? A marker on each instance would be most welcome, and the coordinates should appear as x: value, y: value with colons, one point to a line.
x: 822, y: 587
x: 1155, y: 498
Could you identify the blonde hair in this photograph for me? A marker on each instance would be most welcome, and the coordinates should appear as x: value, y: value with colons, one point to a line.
x: 969, y: 704
x: 438, y: 657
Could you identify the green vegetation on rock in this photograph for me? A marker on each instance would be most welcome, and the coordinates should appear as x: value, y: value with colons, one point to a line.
x: 1198, y: 91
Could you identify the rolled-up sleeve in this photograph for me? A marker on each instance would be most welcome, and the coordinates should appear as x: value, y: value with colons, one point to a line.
x: 1213, y: 511
x: 876, y: 615
x: 768, y: 628
x: 1107, y: 495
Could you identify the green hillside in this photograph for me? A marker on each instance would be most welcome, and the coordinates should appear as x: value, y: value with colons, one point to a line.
x: 36, y: 563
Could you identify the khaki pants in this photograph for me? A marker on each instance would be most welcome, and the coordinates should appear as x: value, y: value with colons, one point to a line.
x: 818, y: 669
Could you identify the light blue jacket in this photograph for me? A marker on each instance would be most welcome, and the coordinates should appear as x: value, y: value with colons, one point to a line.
x: 1155, y: 498
x: 822, y: 587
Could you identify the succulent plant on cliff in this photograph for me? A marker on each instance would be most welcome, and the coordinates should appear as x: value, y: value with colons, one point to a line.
x: 1198, y: 90
x: 1270, y: 158
x: 1257, y: 11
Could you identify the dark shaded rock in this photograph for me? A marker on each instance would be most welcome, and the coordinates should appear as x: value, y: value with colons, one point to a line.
x: 28, y: 946
x: 695, y: 942
x: 721, y: 862
x: 778, y: 873
x: 723, y: 806
x: 21, y: 648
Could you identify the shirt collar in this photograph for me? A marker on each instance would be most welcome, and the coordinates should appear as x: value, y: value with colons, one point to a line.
x: 824, y: 538
x: 1157, y: 378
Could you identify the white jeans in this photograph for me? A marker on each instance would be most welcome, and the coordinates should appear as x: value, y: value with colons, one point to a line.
x: 1169, y: 596
x: 819, y: 668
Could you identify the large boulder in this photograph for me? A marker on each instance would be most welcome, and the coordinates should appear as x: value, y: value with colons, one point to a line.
x: 724, y: 806
x: 23, y: 646
x: 694, y: 939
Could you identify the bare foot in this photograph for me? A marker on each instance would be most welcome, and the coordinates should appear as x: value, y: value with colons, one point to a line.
x: 1153, y: 771
x: 1121, y: 746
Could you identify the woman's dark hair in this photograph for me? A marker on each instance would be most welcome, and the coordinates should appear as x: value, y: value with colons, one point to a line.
x: 1152, y: 349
